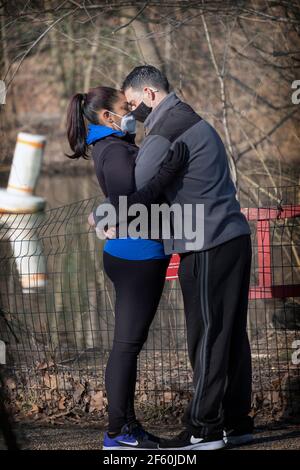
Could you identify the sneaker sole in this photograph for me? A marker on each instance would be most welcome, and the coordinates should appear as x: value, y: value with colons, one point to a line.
x: 239, y: 440
x: 213, y: 445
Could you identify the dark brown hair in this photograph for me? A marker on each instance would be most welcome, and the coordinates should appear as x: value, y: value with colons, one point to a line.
x: 86, y: 106
x: 146, y: 75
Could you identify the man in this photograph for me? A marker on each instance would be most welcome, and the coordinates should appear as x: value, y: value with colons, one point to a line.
x: 215, y: 277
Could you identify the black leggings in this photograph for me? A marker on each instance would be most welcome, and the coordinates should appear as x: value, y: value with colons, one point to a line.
x: 138, y: 285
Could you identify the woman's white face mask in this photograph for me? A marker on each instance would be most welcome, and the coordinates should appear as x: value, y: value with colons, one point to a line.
x: 128, y: 123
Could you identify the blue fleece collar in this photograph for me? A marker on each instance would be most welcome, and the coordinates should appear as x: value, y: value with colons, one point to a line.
x: 96, y: 132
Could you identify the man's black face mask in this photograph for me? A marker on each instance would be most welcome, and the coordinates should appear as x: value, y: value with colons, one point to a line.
x: 141, y: 112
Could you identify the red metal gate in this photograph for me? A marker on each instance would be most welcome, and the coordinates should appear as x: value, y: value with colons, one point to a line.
x: 265, y: 288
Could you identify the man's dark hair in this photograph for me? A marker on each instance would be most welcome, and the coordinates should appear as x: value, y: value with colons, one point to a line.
x: 146, y: 75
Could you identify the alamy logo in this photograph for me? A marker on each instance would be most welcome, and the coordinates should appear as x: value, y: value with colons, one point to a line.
x: 2, y: 92
x: 296, y: 354
x: 2, y: 352
x: 174, y: 222
x: 296, y: 93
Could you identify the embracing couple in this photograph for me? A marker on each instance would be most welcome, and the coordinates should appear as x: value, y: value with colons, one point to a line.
x: 181, y: 160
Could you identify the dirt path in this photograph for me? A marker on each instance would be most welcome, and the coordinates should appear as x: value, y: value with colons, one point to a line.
x: 68, y: 437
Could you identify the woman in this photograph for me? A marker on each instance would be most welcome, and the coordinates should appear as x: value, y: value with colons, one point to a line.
x: 136, y: 266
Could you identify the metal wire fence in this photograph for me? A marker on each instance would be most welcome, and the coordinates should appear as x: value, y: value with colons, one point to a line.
x: 57, y: 313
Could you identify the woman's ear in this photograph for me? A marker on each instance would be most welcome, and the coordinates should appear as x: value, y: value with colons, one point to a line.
x: 104, y: 117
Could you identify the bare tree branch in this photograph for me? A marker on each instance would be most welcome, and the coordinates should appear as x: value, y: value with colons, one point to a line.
x: 132, y: 19
x: 35, y: 43
x: 220, y: 77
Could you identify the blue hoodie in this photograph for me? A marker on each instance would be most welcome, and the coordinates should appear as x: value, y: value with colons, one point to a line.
x: 96, y: 132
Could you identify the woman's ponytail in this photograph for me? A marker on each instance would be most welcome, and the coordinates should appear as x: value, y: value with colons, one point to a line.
x: 86, y: 106
x: 76, y: 129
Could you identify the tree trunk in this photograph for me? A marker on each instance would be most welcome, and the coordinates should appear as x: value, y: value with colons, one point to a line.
x: 147, y: 47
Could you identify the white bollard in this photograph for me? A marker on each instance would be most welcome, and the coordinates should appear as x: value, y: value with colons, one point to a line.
x: 26, y: 165
x: 21, y: 211
x: 27, y: 249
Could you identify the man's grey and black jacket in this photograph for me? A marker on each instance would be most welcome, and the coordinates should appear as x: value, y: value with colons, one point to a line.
x: 206, y: 179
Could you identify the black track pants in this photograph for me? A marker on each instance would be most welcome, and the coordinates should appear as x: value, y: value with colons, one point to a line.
x: 138, y: 285
x: 215, y: 286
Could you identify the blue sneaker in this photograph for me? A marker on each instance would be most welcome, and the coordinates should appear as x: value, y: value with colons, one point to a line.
x: 130, y: 438
x: 137, y: 430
